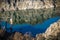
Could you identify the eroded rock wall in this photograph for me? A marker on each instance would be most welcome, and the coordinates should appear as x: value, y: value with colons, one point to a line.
x: 26, y: 4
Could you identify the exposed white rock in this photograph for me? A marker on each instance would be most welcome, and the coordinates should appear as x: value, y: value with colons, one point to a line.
x: 28, y: 4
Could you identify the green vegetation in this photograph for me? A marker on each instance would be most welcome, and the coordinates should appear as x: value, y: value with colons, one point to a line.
x: 30, y: 16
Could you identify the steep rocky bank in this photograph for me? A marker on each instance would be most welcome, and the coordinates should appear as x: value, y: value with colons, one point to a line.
x: 53, y: 31
x: 26, y: 4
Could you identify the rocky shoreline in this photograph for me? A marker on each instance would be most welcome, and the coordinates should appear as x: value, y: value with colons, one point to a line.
x: 52, y: 33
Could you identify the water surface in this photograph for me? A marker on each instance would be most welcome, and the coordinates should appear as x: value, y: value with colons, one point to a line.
x: 34, y: 21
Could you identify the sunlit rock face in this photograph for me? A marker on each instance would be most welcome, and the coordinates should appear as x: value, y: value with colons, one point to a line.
x: 53, y: 31
x: 48, y: 3
x: 26, y: 4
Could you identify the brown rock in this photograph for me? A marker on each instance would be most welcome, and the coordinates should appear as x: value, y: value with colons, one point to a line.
x: 2, y: 33
x: 18, y: 36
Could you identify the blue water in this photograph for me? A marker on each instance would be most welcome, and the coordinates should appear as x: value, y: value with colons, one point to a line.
x: 23, y: 28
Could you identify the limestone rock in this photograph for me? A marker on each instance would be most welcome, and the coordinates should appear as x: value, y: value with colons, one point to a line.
x: 26, y: 4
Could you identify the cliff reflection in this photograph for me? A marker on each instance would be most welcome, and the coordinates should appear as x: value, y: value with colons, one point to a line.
x: 30, y: 16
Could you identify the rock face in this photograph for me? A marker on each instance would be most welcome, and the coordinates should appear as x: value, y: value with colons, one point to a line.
x: 26, y: 4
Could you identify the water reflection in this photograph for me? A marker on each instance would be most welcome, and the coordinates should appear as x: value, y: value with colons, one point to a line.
x: 30, y: 16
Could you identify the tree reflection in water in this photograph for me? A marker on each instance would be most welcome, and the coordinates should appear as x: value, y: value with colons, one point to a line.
x: 30, y: 16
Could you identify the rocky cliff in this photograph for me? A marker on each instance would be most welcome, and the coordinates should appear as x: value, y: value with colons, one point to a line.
x: 26, y: 4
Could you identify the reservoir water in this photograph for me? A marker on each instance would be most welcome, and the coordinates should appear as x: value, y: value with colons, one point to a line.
x: 34, y: 21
